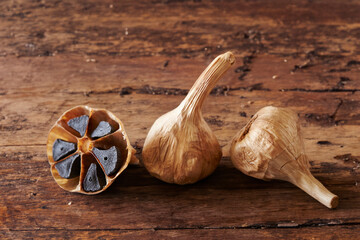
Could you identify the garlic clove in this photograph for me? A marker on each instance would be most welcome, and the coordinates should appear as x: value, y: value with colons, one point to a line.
x: 62, y: 149
x: 70, y: 167
x: 110, y: 159
x: 180, y: 147
x: 104, y: 128
x: 270, y: 146
x: 79, y: 124
x: 94, y: 179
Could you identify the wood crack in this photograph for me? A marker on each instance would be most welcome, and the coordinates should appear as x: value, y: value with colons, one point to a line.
x: 337, y: 109
x: 320, y: 223
x: 24, y: 145
x: 152, y: 90
x: 319, y: 90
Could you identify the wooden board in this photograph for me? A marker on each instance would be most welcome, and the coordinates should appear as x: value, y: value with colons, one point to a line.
x: 138, y: 60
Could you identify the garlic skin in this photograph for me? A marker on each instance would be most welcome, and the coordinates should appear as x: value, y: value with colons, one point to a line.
x: 270, y: 146
x: 180, y: 146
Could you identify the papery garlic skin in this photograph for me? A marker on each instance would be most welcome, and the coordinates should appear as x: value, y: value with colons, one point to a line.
x: 270, y: 146
x: 271, y: 132
x: 180, y: 146
x: 176, y: 152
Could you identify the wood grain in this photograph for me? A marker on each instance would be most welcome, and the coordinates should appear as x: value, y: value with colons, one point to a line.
x: 138, y: 59
x: 333, y: 232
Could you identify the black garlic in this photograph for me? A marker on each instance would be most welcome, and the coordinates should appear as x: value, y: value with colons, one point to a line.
x: 110, y: 159
x: 79, y: 124
x: 70, y: 167
x: 104, y: 128
x: 62, y: 149
x: 94, y: 179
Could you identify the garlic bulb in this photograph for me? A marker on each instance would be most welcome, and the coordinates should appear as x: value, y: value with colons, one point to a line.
x: 88, y: 149
x: 270, y: 146
x: 180, y: 147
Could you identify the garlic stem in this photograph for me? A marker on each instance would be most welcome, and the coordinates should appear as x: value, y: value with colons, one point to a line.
x: 206, y: 82
x: 308, y: 183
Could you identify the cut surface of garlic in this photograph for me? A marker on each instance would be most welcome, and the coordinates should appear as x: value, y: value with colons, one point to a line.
x: 87, y: 150
x: 180, y: 146
x: 270, y: 146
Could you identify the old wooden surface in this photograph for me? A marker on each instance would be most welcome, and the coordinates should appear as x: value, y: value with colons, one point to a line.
x: 138, y: 60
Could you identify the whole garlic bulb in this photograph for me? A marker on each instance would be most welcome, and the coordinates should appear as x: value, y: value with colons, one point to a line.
x: 180, y: 147
x: 270, y: 146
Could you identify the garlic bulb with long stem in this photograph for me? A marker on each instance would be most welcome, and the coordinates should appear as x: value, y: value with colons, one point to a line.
x: 180, y: 147
x: 270, y: 146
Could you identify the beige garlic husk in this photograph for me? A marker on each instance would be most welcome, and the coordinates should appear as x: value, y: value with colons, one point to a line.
x: 180, y: 146
x: 270, y: 146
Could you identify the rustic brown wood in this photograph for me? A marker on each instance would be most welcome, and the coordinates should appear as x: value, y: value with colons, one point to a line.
x: 138, y: 60
x: 316, y: 233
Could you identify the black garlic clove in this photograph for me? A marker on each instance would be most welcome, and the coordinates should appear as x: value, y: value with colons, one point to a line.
x: 110, y: 159
x: 94, y: 179
x: 79, y: 124
x: 104, y: 128
x: 62, y: 149
x: 70, y: 167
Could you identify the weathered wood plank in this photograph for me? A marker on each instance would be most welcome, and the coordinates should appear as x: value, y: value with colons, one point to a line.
x: 72, y: 74
x: 184, y: 28
x: 315, y: 233
x: 138, y: 60
x: 25, y: 117
x: 32, y: 200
